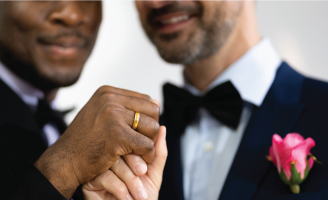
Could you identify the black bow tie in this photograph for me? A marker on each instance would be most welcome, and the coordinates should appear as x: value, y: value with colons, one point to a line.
x: 46, y: 114
x: 222, y: 102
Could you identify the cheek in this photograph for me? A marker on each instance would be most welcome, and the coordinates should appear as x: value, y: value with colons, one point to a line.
x: 220, y: 11
x: 232, y: 8
x: 16, y: 40
x: 210, y: 8
x: 95, y: 13
x: 22, y: 26
x: 24, y: 19
x: 142, y: 10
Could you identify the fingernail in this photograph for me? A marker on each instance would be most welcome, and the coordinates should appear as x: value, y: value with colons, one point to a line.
x: 142, y: 193
x: 141, y: 168
x: 128, y: 197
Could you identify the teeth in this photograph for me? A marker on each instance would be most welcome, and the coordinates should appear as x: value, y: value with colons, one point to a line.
x: 173, y: 20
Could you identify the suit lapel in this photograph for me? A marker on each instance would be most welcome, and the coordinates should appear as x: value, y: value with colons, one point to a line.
x: 277, y: 114
x: 15, y: 112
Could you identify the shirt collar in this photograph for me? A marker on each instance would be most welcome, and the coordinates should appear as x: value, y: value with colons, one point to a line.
x: 27, y: 92
x: 252, y: 74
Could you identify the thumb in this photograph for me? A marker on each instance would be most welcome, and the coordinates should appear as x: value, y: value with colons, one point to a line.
x: 155, y: 169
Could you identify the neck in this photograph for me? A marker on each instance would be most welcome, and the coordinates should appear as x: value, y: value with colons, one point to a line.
x: 50, y: 95
x: 27, y: 74
x: 13, y: 78
x: 244, y: 36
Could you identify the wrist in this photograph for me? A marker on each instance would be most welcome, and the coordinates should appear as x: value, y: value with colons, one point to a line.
x: 59, y: 172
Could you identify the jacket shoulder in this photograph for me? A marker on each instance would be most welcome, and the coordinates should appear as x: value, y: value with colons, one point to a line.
x: 314, y: 89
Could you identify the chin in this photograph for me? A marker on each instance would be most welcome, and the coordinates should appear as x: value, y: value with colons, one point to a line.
x: 180, y: 52
x: 55, y: 77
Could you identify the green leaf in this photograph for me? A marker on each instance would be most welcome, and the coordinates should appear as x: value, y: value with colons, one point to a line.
x: 283, y: 177
x: 295, y: 178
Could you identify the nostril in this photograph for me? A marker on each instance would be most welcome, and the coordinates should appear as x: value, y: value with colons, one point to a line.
x: 68, y: 20
x: 68, y: 14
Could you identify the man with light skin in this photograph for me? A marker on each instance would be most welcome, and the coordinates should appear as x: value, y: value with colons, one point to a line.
x: 237, y: 94
x: 44, y: 46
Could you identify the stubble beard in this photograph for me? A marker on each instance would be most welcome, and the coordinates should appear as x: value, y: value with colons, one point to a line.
x: 201, y: 44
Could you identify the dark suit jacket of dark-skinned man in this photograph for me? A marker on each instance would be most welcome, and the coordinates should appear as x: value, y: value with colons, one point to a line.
x: 21, y: 144
x: 294, y: 103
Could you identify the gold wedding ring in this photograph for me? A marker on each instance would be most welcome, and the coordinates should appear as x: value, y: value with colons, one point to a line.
x: 136, y: 120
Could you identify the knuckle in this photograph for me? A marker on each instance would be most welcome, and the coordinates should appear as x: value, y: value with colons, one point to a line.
x: 147, y: 97
x: 156, y: 110
x: 118, y: 163
x: 113, y: 117
x: 112, y: 110
x: 136, y: 181
x: 102, y: 89
x: 107, y: 175
x: 103, y: 97
x: 154, y: 125
x: 121, y: 149
x: 150, y: 146
x: 107, y: 97
x: 112, y: 96
x: 121, y: 189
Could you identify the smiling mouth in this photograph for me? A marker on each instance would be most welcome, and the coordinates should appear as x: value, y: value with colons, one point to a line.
x: 62, y: 47
x: 172, y: 22
x: 59, y: 50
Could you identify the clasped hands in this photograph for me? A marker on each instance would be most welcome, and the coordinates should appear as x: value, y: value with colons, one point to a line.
x: 101, y: 151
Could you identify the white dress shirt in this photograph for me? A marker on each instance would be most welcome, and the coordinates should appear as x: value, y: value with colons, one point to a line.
x: 209, y: 147
x: 30, y: 95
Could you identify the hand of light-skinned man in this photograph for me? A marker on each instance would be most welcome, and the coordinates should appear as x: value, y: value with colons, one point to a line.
x: 122, y: 182
x: 101, y: 133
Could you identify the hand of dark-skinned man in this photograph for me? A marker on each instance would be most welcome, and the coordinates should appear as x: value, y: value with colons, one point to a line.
x: 101, y: 133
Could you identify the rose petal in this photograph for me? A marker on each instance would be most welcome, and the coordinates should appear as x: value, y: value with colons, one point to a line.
x: 285, y: 151
x: 273, y: 158
x: 276, y: 140
x: 311, y: 161
x: 290, y: 149
x: 292, y: 140
x: 300, y: 152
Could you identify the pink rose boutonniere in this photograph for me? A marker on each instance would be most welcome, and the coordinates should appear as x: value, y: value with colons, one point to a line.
x: 292, y: 158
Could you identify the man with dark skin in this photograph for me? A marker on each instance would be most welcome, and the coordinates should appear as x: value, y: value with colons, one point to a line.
x: 43, y: 46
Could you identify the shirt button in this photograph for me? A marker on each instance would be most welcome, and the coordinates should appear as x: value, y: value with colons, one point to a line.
x: 208, y: 146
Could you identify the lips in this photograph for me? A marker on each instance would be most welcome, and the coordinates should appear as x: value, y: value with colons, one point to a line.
x: 65, y: 46
x: 172, y: 18
x: 64, y: 42
x: 171, y: 22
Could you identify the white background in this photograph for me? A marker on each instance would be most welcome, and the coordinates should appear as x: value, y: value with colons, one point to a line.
x: 124, y: 58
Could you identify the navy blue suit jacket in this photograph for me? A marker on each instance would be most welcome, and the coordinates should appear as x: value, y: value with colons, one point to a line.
x: 294, y: 103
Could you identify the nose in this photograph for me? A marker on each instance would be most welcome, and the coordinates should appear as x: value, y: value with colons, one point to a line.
x: 68, y: 13
x: 157, y: 4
